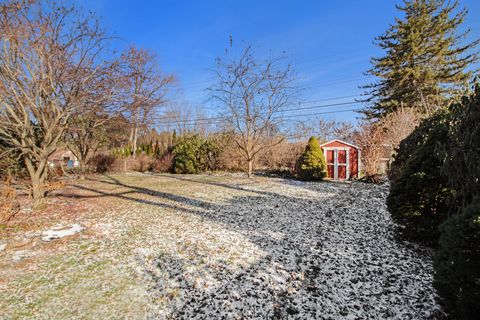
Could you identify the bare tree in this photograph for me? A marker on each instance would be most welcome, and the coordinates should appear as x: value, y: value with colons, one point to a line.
x: 87, y: 127
x: 145, y: 88
x: 371, y: 138
x: 47, y: 58
x: 379, y: 139
x: 252, y: 94
x: 399, y: 124
x: 184, y: 117
x: 324, y: 130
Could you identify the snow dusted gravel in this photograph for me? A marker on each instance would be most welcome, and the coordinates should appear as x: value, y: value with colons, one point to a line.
x: 227, y: 247
x: 287, y: 249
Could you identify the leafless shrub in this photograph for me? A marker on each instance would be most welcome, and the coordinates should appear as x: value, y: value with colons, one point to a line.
x: 378, y: 140
x: 231, y: 157
x: 282, y: 157
x: 8, y: 201
x: 163, y: 164
x: 398, y: 125
x: 370, y: 137
x: 142, y: 163
x: 101, y: 163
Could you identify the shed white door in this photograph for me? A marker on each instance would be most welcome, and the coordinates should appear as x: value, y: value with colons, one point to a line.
x: 337, y: 163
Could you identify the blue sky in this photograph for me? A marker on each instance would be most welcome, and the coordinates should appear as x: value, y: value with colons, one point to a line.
x: 328, y: 42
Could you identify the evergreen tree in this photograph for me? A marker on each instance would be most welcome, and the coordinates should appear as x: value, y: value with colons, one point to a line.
x: 148, y: 149
x: 426, y: 59
x: 194, y: 154
x: 312, y: 165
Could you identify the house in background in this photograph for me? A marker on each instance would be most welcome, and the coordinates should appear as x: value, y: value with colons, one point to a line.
x: 63, y: 157
x: 343, y: 160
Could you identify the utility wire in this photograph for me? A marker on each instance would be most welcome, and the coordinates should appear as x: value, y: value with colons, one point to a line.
x: 284, y: 110
x: 220, y: 119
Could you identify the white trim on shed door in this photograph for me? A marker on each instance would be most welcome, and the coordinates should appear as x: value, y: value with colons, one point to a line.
x: 335, y: 161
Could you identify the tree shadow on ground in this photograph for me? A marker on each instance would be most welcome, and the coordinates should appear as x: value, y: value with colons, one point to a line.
x: 278, y: 256
x: 130, y: 191
x: 237, y: 187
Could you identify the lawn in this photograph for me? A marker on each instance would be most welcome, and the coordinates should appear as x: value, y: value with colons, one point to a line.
x: 213, y: 246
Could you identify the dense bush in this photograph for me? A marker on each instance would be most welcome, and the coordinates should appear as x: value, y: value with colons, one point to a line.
x: 457, y: 263
x: 164, y: 164
x: 230, y: 158
x: 311, y: 164
x: 101, y: 163
x: 410, y: 144
x: 281, y: 158
x: 436, y: 172
x: 462, y: 154
x: 420, y: 196
x: 194, y: 154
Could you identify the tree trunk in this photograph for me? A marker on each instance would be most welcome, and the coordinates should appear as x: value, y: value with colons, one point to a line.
x: 38, y: 176
x: 81, y: 170
x: 250, y: 168
x: 134, y: 142
x: 38, y: 193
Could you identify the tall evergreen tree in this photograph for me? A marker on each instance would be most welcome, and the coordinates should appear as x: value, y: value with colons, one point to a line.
x: 427, y: 59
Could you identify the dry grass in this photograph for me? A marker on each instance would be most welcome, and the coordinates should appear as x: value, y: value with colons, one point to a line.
x: 8, y: 201
x: 92, y: 275
x: 153, y: 243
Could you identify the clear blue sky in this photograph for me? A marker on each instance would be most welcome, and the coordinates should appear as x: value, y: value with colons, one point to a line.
x: 329, y: 42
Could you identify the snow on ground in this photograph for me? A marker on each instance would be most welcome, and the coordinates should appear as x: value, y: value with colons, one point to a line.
x: 300, y: 251
x: 60, y: 231
x: 223, y: 247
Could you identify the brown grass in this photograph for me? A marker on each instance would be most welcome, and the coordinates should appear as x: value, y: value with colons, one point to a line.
x: 8, y: 201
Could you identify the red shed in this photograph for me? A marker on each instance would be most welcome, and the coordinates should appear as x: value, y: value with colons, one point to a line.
x: 343, y: 160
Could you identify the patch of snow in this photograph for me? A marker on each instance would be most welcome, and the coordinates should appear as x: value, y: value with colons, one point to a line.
x: 61, y: 231
x: 20, y: 254
x: 3, y: 246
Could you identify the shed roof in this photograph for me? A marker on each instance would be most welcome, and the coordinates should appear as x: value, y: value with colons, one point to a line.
x: 340, y: 141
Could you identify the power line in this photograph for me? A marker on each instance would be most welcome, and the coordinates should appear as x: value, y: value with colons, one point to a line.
x: 285, y: 110
x: 320, y: 106
x: 335, y: 98
x: 220, y: 119
x: 319, y: 113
